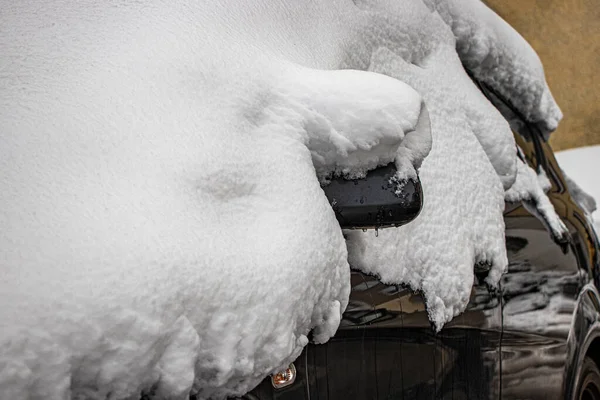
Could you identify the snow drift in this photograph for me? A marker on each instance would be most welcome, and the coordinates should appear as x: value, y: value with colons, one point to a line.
x: 163, y: 225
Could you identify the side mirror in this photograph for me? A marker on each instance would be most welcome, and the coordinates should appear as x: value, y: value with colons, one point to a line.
x: 372, y: 202
x: 375, y: 202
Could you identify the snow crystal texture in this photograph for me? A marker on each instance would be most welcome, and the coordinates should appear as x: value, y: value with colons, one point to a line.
x: 163, y: 225
x: 473, y: 157
x: 499, y: 57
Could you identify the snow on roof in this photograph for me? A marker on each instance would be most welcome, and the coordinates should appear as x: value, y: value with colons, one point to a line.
x: 163, y: 225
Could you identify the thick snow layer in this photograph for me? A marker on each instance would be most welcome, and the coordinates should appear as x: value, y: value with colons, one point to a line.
x: 352, y: 121
x: 162, y: 222
x: 421, y: 45
x: 163, y: 225
x: 498, y: 56
x: 581, y: 167
x: 461, y: 223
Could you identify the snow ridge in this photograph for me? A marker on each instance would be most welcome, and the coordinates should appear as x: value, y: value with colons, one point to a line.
x: 354, y: 120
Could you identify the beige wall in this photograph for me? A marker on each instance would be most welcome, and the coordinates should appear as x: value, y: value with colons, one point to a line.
x: 566, y: 35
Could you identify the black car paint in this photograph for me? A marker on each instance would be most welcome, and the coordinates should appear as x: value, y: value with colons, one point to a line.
x: 525, y: 340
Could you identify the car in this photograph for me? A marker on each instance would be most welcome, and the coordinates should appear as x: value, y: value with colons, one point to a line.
x: 536, y: 336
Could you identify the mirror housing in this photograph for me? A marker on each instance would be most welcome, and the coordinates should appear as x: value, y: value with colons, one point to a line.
x: 372, y: 202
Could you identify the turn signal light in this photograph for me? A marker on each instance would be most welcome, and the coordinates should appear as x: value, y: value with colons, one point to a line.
x: 284, y: 378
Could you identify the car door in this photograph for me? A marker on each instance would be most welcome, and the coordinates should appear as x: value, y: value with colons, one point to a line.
x: 386, y: 349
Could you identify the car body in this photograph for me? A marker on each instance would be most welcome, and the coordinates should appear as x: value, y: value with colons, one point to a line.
x: 528, y: 339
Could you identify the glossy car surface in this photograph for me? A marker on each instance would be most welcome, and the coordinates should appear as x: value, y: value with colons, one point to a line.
x: 526, y: 340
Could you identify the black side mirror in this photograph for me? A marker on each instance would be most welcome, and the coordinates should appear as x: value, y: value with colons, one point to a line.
x: 372, y: 202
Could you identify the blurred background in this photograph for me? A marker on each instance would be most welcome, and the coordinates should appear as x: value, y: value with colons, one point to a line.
x: 566, y: 36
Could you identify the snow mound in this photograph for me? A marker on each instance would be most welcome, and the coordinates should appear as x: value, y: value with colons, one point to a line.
x: 163, y: 226
x: 353, y: 120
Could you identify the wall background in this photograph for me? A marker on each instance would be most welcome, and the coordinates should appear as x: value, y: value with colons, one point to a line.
x: 566, y: 36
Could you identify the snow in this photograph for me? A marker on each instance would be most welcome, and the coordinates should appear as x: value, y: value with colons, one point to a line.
x: 530, y: 187
x: 473, y: 156
x: 499, y: 57
x: 163, y: 224
x: 580, y: 165
x: 352, y: 121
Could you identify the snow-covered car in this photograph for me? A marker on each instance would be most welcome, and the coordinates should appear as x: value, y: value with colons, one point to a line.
x: 536, y: 337
x: 163, y: 228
